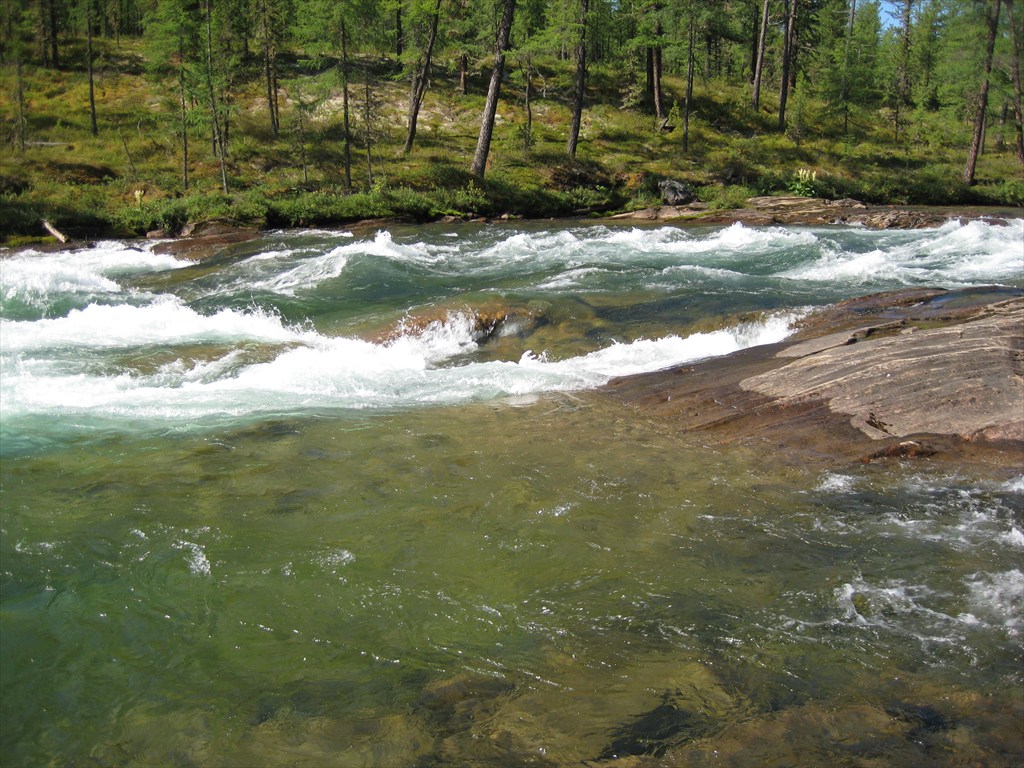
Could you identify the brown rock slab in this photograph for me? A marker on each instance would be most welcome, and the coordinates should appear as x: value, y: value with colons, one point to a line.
x: 931, y: 373
x: 205, y: 241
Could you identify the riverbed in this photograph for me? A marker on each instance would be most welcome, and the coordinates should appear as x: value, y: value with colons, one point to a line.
x: 294, y: 504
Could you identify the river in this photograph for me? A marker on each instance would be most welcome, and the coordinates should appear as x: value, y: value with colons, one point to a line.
x: 296, y: 505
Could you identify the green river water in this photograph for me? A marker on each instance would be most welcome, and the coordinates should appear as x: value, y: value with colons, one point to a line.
x: 237, y: 533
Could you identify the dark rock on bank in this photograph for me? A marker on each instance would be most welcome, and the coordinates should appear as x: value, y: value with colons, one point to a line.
x: 676, y: 192
x: 902, y: 375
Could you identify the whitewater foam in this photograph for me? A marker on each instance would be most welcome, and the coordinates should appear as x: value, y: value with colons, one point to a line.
x: 35, y: 279
x: 166, y: 320
x: 953, y: 255
x: 315, y: 371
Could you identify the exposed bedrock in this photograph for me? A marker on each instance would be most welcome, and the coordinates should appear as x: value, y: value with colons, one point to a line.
x: 904, y: 374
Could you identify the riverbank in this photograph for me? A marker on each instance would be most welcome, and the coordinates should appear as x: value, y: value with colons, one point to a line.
x: 204, y: 239
x: 911, y: 374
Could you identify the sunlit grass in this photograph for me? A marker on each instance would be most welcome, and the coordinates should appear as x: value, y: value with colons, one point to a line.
x: 128, y: 179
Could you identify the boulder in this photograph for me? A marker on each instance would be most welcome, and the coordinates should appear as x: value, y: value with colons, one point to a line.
x: 676, y: 192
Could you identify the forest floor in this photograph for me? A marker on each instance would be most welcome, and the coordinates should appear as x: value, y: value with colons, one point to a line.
x: 127, y: 180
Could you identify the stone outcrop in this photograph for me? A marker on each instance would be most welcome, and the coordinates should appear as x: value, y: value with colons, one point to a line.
x: 906, y: 375
x: 771, y: 210
x: 205, y: 241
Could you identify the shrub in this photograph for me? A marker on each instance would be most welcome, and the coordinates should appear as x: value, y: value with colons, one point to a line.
x: 804, y: 183
x: 720, y: 198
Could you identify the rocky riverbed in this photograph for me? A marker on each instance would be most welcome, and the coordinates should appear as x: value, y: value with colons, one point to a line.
x: 917, y: 373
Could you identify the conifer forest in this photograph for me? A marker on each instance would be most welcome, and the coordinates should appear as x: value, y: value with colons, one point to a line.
x: 127, y: 116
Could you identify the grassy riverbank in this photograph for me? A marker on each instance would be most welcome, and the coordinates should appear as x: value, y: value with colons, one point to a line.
x: 127, y: 180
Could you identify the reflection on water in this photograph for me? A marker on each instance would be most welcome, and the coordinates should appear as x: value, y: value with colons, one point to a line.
x: 532, y: 582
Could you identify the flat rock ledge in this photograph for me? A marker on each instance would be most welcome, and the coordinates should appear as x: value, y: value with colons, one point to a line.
x: 900, y: 375
x: 813, y: 211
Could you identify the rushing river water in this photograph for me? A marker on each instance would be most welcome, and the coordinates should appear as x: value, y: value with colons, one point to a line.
x: 260, y: 510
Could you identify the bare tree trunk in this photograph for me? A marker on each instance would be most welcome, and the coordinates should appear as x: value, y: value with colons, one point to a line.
x: 528, y: 106
x: 51, y: 32
x: 846, y: 67
x: 88, y: 66
x: 759, y: 68
x: 580, y: 88
x: 369, y: 134
x: 218, y: 133
x: 420, y: 80
x: 184, y: 129
x: 483, y: 145
x: 756, y: 26
x: 1015, y: 60
x: 649, y: 72
x: 464, y: 74
x: 979, y: 122
x: 689, y: 84
x: 399, y: 35
x: 347, y: 140
x: 656, y: 70
x: 19, y: 96
x: 787, y: 57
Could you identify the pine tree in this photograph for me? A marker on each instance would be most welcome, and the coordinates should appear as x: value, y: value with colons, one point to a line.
x: 580, y: 85
x: 982, y: 103
x: 172, y: 56
x: 483, y: 144
x: 428, y: 16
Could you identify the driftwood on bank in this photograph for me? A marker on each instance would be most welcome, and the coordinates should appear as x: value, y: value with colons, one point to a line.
x: 54, y: 231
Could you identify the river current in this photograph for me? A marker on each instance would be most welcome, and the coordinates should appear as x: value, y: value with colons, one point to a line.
x: 295, y: 505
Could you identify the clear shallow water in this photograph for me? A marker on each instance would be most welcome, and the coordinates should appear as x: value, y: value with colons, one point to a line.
x: 237, y: 530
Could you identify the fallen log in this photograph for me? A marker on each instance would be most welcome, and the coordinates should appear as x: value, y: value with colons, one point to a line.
x: 54, y: 231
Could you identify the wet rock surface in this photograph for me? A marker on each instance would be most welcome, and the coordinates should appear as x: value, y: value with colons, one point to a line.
x: 205, y: 241
x: 911, y: 374
x: 769, y: 210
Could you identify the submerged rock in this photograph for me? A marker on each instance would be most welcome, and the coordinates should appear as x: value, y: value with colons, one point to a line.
x: 902, y: 375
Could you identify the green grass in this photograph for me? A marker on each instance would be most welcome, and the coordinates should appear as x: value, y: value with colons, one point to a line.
x: 127, y: 180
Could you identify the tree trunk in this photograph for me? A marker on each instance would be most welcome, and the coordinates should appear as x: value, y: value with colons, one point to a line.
x: 269, y: 65
x: 649, y: 72
x: 787, y: 51
x: 19, y: 96
x: 52, y: 32
x: 184, y: 129
x: 759, y: 68
x: 88, y: 66
x: 846, y: 68
x: 979, y: 122
x: 580, y: 88
x: 347, y: 128
x: 464, y: 74
x: 754, y: 39
x: 528, y: 106
x: 399, y: 35
x: 656, y: 68
x: 420, y: 80
x: 483, y: 144
x: 369, y: 134
x: 1015, y: 59
x: 218, y: 133
x: 689, y: 84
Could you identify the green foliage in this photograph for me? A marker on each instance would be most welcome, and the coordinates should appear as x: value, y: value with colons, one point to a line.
x: 843, y: 116
x: 804, y: 183
x: 727, y: 197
